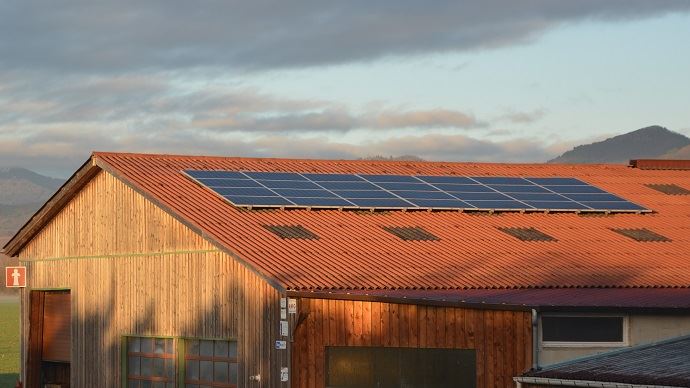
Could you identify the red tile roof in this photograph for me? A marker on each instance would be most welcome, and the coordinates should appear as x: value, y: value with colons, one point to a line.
x: 355, y: 252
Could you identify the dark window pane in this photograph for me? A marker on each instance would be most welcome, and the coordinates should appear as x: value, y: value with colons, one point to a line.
x: 158, y: 367
x: 582, y: 329
x: 193, y: 347
x: 233, y: 349
x: 206, y: 348
x: 159, y: 345
x: 192, y: 372
x: 169, y: 368
x: 191, y: 386
x: 146, y: 384
x: 233, y: 373
x: 349, y: 367
x: 146, y: 367
x: 206, y: 370
x: 133, y: 366
x: 133, y: 384
x: 220, y: 372
x: 146, y: 345
x: 158, y: 384
x: 221, y: 349
x: 133, y: 344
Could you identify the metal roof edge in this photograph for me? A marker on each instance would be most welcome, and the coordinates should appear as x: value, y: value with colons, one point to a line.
x: 582, y: 383
x: 402, y: 300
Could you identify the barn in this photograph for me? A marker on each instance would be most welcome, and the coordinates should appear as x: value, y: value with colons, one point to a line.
x: 190, y: 271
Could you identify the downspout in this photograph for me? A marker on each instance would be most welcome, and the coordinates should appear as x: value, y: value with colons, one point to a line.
x: 535, y: 340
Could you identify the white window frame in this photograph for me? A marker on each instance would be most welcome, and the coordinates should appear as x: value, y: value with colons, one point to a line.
x: 570, y: 344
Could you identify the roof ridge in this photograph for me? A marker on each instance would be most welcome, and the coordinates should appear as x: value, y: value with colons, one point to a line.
x: 354, y: 161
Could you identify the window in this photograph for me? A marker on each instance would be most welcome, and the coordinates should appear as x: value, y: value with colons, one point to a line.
x: 354, y: 367
x: 210, y: 363
x: 564, y: 330
x: 150, y: 362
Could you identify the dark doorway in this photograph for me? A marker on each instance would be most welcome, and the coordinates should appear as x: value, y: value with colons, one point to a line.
x: 364, y: 367
x: 50, y: 321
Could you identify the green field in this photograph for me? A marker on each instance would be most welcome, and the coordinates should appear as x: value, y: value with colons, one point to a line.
x: 9, y: 341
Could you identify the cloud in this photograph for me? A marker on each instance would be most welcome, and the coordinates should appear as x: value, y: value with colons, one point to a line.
x: 123, y: 36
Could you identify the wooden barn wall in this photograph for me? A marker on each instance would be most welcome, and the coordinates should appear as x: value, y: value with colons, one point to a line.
x: 502, y: 339
x: 134, y: 269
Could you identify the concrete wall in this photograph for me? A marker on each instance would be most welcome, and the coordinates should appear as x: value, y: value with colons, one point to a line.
x: 642, y: 329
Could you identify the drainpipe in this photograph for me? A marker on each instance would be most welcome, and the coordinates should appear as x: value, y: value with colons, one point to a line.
x: 535, y: 340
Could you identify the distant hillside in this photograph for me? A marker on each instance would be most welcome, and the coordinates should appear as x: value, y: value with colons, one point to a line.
x: 12, y: 217
x: 683, y: 153
x: 21, y: 186
x: 649, y: 142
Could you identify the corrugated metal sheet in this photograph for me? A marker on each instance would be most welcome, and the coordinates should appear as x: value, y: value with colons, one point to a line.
x: 355, y: 252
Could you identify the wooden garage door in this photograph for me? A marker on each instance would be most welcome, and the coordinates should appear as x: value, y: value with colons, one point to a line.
x: 56, y: 327
x: 371, y: 367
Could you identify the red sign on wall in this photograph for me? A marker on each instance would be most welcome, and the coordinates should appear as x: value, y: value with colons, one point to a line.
x: 15, y: 276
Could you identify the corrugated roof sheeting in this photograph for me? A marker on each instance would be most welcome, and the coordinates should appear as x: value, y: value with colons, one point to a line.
x: 354, y: 252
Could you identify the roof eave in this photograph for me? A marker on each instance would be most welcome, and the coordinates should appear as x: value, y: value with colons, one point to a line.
x: 51, y: 207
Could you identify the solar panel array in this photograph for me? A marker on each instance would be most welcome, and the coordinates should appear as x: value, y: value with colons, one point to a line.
x: 291, y: 189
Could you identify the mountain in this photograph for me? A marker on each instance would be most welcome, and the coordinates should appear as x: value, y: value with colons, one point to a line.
x: 647, y: 143
x: 20, y: 186
x: 683, y: 153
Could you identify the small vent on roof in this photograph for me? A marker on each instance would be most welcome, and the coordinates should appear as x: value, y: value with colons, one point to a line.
x: 644, y: 235
x: 411, y: 233
x: 669, y: 189
x: 527, y: 234
x: 292, y: 231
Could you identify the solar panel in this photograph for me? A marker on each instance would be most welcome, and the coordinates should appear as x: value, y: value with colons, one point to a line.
x: 291, y: 189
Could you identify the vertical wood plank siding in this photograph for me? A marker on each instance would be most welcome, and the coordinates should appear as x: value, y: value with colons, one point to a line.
x: 133, y: 269
x: 501, y: 338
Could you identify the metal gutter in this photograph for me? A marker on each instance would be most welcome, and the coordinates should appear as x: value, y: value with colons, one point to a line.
x: 581, y: 383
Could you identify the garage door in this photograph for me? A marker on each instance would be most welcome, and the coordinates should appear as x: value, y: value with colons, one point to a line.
x: 349, y: 367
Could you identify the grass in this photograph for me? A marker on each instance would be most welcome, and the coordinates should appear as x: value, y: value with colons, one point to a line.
x: 9, y: 341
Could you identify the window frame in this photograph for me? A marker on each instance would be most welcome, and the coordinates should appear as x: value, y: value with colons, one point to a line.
x: 179, y: 356
x: 585, y: 344
x: 125, y: 358
x: 182, y: 360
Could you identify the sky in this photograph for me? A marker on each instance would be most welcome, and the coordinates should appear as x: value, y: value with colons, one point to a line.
x: 491, y: 80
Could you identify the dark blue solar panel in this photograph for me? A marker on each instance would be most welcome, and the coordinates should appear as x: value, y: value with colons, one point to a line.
x: 305, y: 193
x: 213, y: 182
x: 593, y: 197
x: 497, y: 180
x: 616, y: 205
x: 401, y: 191
x: 257, y: 201
x: 289, y: 184
x: 557, y: 181
x: 556, y: 205
x: 493, y: 196
x: 519, y: 189
x: 441, y: 203
x: 216, y: 174
x: 498, y: 205
x: 364, y: 194
x: 422, y: 194
x: 538, y: 197
x: 334, y: 202
x: 433, y: 179
x: 465, y: 188
x: 382, y: 203
x: 407, y: 186
x: 574, y: 189
x: 276, y: 176
x: 333, y: 177
x: 390, y: 178
x: 349, y: 186
x: 241, y: 191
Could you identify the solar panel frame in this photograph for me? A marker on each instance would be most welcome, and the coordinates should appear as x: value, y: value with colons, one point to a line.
x: 293, y: 189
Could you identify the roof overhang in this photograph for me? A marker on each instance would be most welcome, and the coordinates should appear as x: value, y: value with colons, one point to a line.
x: 52, y: 207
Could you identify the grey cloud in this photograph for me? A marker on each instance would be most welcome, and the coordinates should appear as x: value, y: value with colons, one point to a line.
x: 117, y: 36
